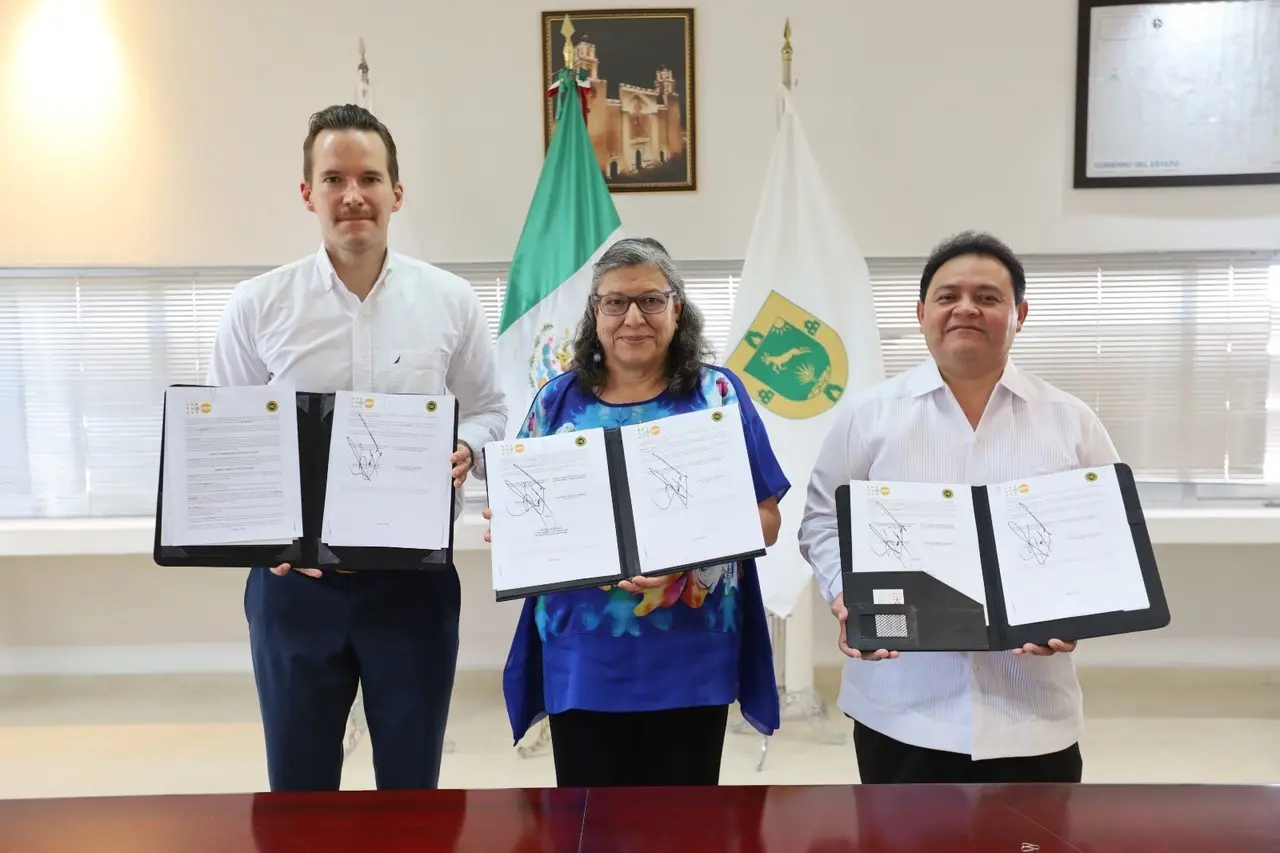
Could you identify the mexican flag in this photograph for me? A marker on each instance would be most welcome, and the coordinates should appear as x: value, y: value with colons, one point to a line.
x: 571, y: 222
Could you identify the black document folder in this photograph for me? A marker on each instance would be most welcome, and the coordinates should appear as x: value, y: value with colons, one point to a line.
x: 915, y: 611
x: 629, y: 549
x: 315, y: 428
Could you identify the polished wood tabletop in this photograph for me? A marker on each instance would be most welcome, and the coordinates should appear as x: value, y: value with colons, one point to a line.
x: 795, y: 819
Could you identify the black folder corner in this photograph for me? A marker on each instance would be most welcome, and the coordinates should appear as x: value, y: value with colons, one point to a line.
x: 624, y: 522
x: 937, y: 617
x: 315, y: 429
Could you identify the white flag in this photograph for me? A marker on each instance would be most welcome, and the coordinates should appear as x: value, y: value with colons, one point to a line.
x: 803, y: 335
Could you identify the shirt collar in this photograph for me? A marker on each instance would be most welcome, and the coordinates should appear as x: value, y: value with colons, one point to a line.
x: 329, y: 276
x: 926, y: 379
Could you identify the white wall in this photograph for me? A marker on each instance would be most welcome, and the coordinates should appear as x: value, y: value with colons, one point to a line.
x: 927, y: 116
x: 122, y: 614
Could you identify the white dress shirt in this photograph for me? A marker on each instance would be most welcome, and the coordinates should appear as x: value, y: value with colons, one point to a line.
x: 911, y: 429
x: 421, y: 330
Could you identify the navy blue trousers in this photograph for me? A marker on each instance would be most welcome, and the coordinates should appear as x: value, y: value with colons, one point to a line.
x: 314, y: 640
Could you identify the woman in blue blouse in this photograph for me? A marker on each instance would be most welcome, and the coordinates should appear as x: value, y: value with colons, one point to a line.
x: 637, y: 679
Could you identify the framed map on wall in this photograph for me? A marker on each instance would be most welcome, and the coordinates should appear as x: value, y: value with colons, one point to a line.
x: 640, y: 110
x: 1177, y: 93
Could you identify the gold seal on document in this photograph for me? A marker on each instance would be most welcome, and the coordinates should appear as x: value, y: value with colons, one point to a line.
x: 884, y: 491
x: 717, y: 416
x: 580, y: 440
x: 1092, y: 476
x: 272, y: 405
x: 431, y: 405
x: 206, y: 408
x: 948, y: 494
x: 655, y: 429
x: 368, y: 402
x: 519, y: 448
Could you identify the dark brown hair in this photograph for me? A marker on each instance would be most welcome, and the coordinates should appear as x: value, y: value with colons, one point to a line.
x: 348, y: 117
x: 689, y: 349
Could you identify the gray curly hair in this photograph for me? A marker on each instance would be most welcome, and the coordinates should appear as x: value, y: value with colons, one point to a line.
x: 689, y: 349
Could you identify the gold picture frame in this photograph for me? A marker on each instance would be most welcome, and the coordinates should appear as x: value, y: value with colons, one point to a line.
x: 642, y: 106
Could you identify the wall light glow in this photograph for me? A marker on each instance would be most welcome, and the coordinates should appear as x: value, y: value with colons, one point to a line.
x: 67, y: 70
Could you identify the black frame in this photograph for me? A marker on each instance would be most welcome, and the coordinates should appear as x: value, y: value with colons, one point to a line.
x: 1081, y: 179
x: 315, y: 428
x: 940, y: 618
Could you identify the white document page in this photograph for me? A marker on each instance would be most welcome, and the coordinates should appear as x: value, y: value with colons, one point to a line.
x: 389, y: 483
x: 1065, y: 547
x: 552, y: 508
x: 692, y: 495
x: 231, y: 473
x: 917, y: 527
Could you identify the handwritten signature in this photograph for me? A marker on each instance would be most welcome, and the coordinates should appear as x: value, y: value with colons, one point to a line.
x: 530, y: 497
x: 890, y: 537
x: 674, y: 485
x: 1037, y: 541
x: 367, y: 456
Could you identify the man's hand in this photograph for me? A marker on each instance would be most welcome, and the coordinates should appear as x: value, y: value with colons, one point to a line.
x: 488, y: 516
x: 284, y: 568
x: 462, y: 460
x: 1053, y: 648
x: 842, y: 616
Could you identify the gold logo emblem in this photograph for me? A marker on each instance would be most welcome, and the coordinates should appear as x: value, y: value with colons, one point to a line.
x: 431, y: 405
x: 368, y: 402
x: 272, y: 405
x: 206, y: 408
x: 791, y: 361
x: 948, y: 494
x: 1092, y: 476
x: 580, y: 440
x: 717, y: 416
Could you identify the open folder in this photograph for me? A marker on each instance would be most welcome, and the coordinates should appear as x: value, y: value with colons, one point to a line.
x: 593, y: 507
x: 264, y: 475
x: 949, y: 567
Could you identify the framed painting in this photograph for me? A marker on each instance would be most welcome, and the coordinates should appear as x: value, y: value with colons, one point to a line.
x: 641, y: 112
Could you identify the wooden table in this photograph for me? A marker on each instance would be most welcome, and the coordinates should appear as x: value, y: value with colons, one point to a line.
x: 794, y: 819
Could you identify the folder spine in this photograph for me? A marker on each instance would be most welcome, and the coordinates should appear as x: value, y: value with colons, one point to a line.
x: 997, y: 637
x: 623, y: 512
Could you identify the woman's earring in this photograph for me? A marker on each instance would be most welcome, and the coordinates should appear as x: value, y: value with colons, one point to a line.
x: 597, y: 357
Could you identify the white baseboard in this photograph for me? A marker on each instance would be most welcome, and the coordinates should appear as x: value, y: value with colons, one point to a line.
x: 173, y: 659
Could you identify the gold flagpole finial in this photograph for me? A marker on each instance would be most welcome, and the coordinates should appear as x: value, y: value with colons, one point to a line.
x: 786, y: 54
x: 566, y: 30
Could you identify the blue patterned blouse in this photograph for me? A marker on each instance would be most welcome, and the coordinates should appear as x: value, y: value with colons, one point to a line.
x: 702, y: 639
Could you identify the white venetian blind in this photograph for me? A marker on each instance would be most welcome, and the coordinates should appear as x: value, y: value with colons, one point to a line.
x: 1173, y: 351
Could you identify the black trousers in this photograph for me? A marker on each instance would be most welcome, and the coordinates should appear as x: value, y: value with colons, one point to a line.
x: 682, y: 746
x: 883, y: 760
x: 315, y: 639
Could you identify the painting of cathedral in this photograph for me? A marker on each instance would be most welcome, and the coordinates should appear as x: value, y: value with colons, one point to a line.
x: 640, y: 110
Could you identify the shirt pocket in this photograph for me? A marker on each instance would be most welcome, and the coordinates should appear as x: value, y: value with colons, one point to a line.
x: 414, y: 372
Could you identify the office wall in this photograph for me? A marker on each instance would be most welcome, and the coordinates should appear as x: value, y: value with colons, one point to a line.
x: 926, y: 116
x: 123, y: 614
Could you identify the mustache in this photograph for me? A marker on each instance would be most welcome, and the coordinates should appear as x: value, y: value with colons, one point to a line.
x: 349, y: 216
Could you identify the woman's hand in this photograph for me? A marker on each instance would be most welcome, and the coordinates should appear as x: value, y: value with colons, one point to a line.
x: 640, y: 583
x: 770, y: 520
x: 488, y: 516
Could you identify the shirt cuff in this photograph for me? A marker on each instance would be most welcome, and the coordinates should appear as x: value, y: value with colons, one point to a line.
x: 475, y: 436
x: 834, y: 587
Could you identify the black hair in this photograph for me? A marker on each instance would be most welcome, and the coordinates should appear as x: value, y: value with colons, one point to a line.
x: 348, y: 117
x: 975, y: 243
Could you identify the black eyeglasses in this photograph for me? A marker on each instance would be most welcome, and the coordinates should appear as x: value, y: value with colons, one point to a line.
x: 616, y: 304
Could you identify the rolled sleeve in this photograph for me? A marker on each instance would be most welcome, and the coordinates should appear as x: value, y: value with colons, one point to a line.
x: 235, y: 360
x: 473, y: 380
x: 841, y: 458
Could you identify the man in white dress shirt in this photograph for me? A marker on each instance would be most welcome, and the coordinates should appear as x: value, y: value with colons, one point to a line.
x: 968, y: 415
x: 357, y: 316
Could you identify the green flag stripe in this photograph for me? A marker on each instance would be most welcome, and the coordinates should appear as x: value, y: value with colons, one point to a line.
x: 570, y: 216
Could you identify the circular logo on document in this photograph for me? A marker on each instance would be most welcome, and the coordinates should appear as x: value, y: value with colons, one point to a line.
x: 519, y: 448
x: 1092, y: 476
x: 206, y: 408
x: 368, y: 402
x: 580, y: 440
x: 431, y: 405
x: 717, y: 416
x: 948, y: 494
x: 272, y: 405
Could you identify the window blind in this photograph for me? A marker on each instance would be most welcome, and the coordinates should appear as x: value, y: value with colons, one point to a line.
x: 1176, y: 352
